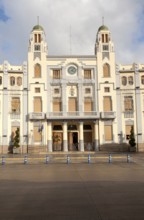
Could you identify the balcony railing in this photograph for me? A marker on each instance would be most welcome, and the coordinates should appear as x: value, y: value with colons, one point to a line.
x: 128, y: 114
x: 36, y: 115
x: 15, y: 115
x: 108, y: 115
x: 73, y: 115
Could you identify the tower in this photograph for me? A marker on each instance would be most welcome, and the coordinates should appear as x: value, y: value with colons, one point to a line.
x: 105, y: 55
x: 37, y: 85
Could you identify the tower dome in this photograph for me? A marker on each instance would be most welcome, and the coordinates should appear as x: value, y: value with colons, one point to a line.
x: 38, y: 28
x: 103, y: 28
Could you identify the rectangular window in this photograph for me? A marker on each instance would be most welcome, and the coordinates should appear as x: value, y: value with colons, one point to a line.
x: 102, y: 38
x: 106, y: 89
x: 108, y: 132
x: 107, y: 102
x: 37, y: 90
x: 35, y: 38
x: 39, y: 38
x: 56, y: 91
x: 37, y: 134
x: 87, y: 90
x: 87, y: 74
x: 15, y: 104
x: 56, y: 74
x: 56, y: 105
x: 106, y: 38
x: 37, y: 47
x: 128, y: 103
x: 37, y: 104
x: 87, y: 105
x: 105, y: 47
x: 72, y: 105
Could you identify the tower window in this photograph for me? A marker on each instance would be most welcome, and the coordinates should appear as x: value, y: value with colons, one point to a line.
x: 15, y: 104
x: 105, y: 47
x: 106, y: 89
x: 130, y: 80
x: 19, y: 81
x: 56, y: 91
x: 128, y: 103
x: 37, y: 47
x: 87, y: 74
x: 102, y: 38
x: 106, y: 70
x: 142, y: 80
x: 124, y: 80
x: 56, y: 74
x: 0, y: 80
x: 37, y: 90
x: 12, y: 81
x: 87, y: 90
x: 37, y: 71
x: 37, y: 38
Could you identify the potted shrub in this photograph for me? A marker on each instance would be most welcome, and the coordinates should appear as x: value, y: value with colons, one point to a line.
x: 16, y: 141
x: 132, y: 140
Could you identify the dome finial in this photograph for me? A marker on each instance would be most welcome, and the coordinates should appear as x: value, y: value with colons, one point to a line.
x: 103, y: 20
x: 37, y: 20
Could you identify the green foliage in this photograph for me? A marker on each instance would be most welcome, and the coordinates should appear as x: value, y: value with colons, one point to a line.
x: 16, y: 140
x: 132, y: 138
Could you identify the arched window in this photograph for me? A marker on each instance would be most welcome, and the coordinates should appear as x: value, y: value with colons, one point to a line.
x: 0, y: 80
x: 124, y: 81
x: 19, y: 81
x: 106, y: 70
x: 142, y: 80
x: 130, y: 80
x: 37, y: 71
x: 12, y: 80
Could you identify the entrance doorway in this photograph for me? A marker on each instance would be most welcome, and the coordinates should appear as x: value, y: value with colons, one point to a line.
x: 73, y: 141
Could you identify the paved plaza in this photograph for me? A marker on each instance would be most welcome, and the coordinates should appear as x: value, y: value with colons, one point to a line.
x: 75, y: 191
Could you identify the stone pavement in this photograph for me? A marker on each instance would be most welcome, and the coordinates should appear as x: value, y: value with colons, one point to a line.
x: 60, y: 191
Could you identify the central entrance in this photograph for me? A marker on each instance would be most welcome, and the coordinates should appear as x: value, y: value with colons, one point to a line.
x: 72, y: 140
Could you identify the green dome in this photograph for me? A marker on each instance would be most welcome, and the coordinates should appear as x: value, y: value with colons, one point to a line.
x: 38, y: 28
x: 103, y: 28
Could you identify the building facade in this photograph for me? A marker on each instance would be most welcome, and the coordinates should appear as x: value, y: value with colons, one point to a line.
x: 71, y: 103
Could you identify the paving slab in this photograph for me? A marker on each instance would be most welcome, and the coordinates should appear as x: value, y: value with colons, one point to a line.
x: 74, y: 191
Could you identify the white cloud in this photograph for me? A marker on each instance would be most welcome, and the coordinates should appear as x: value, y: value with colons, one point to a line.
x: 124, y: 19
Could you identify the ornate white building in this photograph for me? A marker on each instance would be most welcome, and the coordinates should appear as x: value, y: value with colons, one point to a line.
x: 68, y: 103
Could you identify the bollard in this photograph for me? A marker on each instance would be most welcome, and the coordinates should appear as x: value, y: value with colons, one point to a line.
x: 68, y: 159
x: 110, y: 158
x: 25, y: 159
x: 3, y: 160
x: 128, y: 158
x: 89, y: 159
x: 47, y: 159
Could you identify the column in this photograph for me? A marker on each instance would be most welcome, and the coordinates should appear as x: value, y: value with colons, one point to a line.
x: 65, y: 142
x: 96, y: 136
x: 49, y: 126
x: 81, y: 140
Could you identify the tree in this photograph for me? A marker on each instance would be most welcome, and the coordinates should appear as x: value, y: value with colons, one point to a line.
x: 132, y: 138
x: 17, y: 139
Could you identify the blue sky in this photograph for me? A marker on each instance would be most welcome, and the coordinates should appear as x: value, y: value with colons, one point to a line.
x: 125, y: 19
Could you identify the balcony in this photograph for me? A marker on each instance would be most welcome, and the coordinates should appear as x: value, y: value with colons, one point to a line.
x: 36, y: 115
x: 108, y: 115
x: 72, y: 115
x: 15, y: 115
